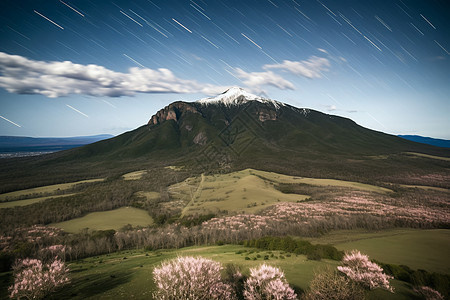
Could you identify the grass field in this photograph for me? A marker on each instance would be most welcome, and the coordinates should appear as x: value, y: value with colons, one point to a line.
x: 418, y: 249
x: 30, y: 201
x: 428, y: 156
x: 148, y: 195
x: 238, y: 192
x: 175, y: 168
x: 246, y: 191
x: 280, y: 178
x: 113, y: 219
x: 128, y: 275
x: 48, y: 189
x: 424, y: 187
x: 136, y: 175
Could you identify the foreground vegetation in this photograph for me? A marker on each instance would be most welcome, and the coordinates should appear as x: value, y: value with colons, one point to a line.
x: 128, y: 274
x: 168, y: 208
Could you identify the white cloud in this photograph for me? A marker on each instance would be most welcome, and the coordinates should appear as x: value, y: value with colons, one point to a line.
x: 310, y: 68
x: 331, y: 107
x: 256, y: 80
x: 55, y: 79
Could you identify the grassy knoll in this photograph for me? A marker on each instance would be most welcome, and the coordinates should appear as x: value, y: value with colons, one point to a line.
x: 418, y: 249
x: 238, y: 192
x: 428, y: 156
x: 112, y: 219
x: 128, y: 275
x: 246, y: 191
x: 136, y: 175
x: 30, y: 201
x: 48, y: 189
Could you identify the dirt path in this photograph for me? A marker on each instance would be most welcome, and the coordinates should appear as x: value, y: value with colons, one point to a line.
x: 195, y: 195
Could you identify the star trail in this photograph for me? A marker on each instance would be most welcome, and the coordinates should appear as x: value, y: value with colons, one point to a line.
x: 384, y: 64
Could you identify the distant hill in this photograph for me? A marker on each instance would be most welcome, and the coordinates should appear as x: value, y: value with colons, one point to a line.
x: 427, y: 140
x: 20, y: 144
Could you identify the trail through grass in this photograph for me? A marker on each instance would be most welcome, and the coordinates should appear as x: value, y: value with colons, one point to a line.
x: 246, y: 191
x: 238, y: 192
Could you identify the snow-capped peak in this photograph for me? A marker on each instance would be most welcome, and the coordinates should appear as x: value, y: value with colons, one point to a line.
x: 237, y: 95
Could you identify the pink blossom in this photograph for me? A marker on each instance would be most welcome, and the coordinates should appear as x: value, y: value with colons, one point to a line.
x: 35, y: 280
x: 267, y: 282
x: 428, y: 293
x: 359, y: 268
x: 192, y: 278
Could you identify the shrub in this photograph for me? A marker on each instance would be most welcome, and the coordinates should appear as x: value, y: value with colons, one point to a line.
x: 288, y: 244
x: 359, y: 268
x: 333, y: 286
x: 193, y: 278
x: 266, y: 282
x: 234, y: 277
x: 35, y: 280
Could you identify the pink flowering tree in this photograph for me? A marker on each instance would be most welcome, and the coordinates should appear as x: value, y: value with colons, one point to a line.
x: 359, y: 268
x: 35, y: 280
x: 266, y: 282
x: 428, y: 293
x: 52, y: 251
x: 193, y: 278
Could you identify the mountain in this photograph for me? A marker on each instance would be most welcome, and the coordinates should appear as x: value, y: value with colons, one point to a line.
x: 237, y: 120
x: 427, y: 140
x: 237, y: 130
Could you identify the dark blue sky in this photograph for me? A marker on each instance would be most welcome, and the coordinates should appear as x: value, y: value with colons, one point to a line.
x: 83, y: 67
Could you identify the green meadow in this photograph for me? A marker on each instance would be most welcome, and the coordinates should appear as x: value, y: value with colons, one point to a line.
x: 30, y: 201
x: 48, y: 189
x: 112, y: 219
x: 416, y: 248
x: 247, y: 191
x: 281, y: 178
x: 428, y: 156
x: 136, y: 175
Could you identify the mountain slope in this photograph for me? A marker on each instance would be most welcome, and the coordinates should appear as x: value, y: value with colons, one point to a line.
x: 238, y: 130
x: 238, y: 120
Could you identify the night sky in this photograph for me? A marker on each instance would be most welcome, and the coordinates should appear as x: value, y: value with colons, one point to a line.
x: 80, y: 67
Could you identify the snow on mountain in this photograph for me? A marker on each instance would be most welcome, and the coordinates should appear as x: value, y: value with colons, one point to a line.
x: 236, y: 96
